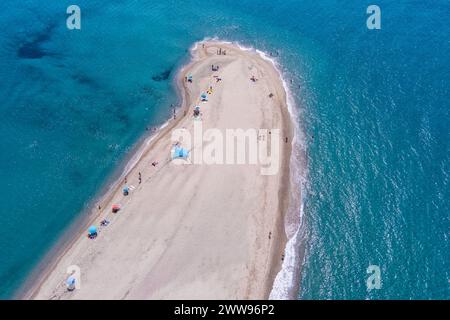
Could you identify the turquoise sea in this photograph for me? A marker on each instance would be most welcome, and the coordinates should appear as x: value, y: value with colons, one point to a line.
x: 373, y: 114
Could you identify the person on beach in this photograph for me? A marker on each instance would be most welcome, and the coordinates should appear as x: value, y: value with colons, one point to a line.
x: 140, y: 178
x: 154, y: 163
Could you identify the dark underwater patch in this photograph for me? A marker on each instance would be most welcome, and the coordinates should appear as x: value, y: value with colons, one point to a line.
x: 76, y: 177
x: 163, y: 75
x: 32, y: 49
x: 147, y: 90
x: 86, y: 80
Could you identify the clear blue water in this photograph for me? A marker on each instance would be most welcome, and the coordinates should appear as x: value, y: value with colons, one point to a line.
x: 374, y: 108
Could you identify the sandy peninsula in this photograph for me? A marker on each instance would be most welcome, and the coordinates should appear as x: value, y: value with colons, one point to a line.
x: 190, y: 230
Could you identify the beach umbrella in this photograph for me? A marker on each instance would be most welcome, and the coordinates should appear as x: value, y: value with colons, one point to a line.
x: 203, y: 96
x: 92, y: 230
x: 70, y: 283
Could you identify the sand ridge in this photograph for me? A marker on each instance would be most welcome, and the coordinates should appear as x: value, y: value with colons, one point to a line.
x: 192, y: 231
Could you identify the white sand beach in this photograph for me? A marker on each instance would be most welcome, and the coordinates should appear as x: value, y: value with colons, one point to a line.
x: 194, y: 231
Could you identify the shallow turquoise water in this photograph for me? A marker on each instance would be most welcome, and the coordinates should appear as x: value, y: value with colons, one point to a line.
x: 374, y: 110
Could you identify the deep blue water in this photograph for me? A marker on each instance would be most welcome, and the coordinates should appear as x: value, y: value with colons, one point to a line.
x: 374, y: 107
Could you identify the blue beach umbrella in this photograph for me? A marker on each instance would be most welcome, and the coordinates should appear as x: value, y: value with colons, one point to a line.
x: 70, y: 281
x: 92, y: 230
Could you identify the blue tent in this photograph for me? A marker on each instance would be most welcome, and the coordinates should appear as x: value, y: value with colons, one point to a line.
x: 92, y: 230
x: 180, y: 153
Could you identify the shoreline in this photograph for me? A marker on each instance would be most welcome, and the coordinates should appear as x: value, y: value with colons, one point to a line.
x: 89, y: 215
x: 143, y: 148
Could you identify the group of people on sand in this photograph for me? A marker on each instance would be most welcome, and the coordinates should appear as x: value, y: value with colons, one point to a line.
x: 216, y: 68
x: 125, y: 192
x: 221, y: 52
